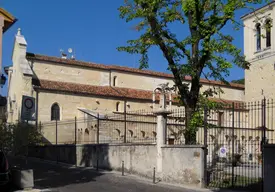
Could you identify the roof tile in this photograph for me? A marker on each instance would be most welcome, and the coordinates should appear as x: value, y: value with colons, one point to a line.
x: 106, y: 91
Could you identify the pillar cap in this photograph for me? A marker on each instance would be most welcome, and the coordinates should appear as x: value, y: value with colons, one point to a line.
x: 19, y: 32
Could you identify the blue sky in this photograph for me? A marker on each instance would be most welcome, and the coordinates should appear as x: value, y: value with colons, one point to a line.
x: 91, y: 27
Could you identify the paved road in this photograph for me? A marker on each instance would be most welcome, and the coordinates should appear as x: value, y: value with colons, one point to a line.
x: 70, y: 179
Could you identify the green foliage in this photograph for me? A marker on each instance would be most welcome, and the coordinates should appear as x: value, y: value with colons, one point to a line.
x: 15, y: 137
x: 203, y: 46
x: 6, y: 137
x: 239, y: 81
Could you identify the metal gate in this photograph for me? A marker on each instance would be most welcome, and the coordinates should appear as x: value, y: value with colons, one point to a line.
x: 234, y: 135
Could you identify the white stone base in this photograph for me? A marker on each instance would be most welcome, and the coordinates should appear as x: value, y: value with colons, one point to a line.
x: 23, y: 179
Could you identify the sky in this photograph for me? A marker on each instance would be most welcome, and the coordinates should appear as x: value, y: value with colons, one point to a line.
x: 92, y: 28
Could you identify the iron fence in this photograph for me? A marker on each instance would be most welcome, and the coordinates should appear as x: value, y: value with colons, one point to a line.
x: 118, y: 127
x: 233, y: 134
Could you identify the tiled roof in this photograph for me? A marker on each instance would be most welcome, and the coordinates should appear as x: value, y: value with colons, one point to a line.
x: 105, y: 91
x: 38, y: 57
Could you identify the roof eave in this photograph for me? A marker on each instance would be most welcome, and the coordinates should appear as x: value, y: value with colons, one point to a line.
x: 9, y: 25
x: 248, y: 15
x: 9, y: 19
x: 91, y: 94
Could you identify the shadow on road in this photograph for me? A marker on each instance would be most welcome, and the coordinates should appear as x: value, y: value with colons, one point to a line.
x: 54, y: 176
x: 255, y: 187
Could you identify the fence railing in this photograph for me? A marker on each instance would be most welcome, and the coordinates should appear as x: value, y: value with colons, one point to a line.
x: 139, y: 126
x: 242, y: 121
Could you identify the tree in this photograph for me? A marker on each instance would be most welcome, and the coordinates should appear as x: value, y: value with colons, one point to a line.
x: 17, y: 137
x: 238, y: 81
x: 187, y: 55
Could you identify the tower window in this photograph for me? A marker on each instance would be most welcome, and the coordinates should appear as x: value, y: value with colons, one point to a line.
x: 114, y: 81
x: 258, y: 36
x: 55, y: 112
x: 268, y: 33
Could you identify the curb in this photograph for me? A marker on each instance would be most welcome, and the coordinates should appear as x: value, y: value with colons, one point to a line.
x: 35, y: 190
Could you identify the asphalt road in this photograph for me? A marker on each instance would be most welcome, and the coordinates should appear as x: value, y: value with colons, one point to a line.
x: 70, y: 179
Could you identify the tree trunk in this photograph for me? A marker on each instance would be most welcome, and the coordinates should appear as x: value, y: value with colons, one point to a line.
x: 190, y: 132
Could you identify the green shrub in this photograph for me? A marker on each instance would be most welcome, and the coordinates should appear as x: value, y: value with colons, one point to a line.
x: 16, y: 137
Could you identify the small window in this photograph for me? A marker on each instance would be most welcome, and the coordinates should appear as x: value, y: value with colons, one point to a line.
x: 55, y: 112
x: 118, y: 133
x: 268, y: 33
x: 117, y: 106
x: 114, y: 81
x: 258, y: 36
x: 131, y: 133
x: 143, y: 134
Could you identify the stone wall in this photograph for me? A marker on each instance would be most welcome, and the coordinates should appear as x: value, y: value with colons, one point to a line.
x: 60, y: 153
x: 180, y: 164
x: 72, y: 74
x: 183, y: 164
x: 138, y: 159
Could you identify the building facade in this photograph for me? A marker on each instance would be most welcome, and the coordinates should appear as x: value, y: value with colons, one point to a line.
x: 65, y: 88
x: 70, y: 85
x: 6, y: 21
x: 259, y: 49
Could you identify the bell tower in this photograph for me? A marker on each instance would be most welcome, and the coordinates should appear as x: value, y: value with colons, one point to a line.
x: 259, y: 49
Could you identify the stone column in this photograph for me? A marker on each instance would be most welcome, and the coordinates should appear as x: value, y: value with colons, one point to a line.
x: 161, y: 136
x: 161, y: 125
x: 1, y: 43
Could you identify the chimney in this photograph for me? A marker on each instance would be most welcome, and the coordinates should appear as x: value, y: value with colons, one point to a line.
x: 63, y: 55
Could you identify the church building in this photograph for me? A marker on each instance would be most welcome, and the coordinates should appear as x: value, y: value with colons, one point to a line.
x: 259, y: 50
x: 64, y: 87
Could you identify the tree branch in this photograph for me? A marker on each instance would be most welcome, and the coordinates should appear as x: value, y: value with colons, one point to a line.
x: 177, y: 44
x: 178, y: 81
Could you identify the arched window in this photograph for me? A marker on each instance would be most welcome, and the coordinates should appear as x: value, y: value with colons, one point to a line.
x: 143, y: 134
x: 114, y: 81
x: 268, y: 32
x: 118, y: 132
x: 117, y: 106
x: 154, y: 134
x: 55, y: 112
x: 258, y: 36
x: 131, y: 133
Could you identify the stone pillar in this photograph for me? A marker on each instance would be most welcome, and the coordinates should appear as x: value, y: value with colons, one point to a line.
x: 1, y: 42
x: 170, y: 101
x: 161, y: 125
x: 154, y: 99
x: 161, y: 136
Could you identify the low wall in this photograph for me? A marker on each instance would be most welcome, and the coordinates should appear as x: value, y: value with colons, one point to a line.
x: 183, y: 165
x: 138, y: 158
x: 269, y: 167
x: 60, y: 153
